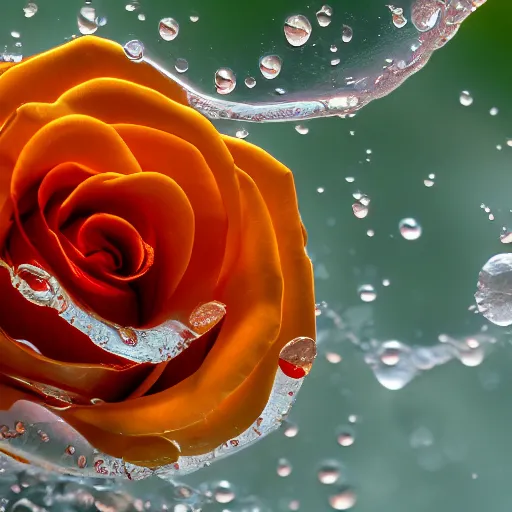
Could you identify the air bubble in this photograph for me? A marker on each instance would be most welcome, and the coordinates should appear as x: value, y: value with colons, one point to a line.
x: 297, y: 29
x: 345, y: 499
x: 223, y: 492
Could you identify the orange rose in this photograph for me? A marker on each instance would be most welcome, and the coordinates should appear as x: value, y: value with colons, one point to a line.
x: 142, y: 212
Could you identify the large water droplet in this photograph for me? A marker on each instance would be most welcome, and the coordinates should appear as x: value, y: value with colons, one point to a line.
x: 425, y: 14
x: 297, y: 29
x: 323, y: 16
x: 30, y: 10
x: 134, y: 50
x: 86, y: 20
x: 225, y: 80
x: 494, y: 290
x: 410, y: 229
x: 347, y: 34
x: 168, y: 28
x: 270, y: 66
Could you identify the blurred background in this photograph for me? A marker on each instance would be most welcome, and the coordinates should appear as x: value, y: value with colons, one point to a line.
x: 408, y: 406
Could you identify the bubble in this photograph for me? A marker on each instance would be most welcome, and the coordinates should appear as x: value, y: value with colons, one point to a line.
x: 347, y: 34
x: 241, y: 134
x: 250, y: 82
x: 284, y: 468
x: 465, y: 98
x: 223, y: 492
x: 323, y: 16
x: 134, y: 50
x: 345, y: 499
x: 86, y: 20
x: 181, y: 65
x: 225, y: 80
x: 410, y: 229
x: 494, y: 290
x: 360, y: 210
x: 297, y: 29
x: 329, y: 472
x: 30, y: 10
x: 270, y: 66
x: 367, y: 293
x: 303, y: 130
x: 168, y: 28
x: 397, y: 15
x: 425, y: 14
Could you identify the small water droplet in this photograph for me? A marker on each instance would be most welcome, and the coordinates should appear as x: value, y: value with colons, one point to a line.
x: 134, y: 50
x: 15, y: 34
x: 20, y: 428
x: 347, y: 34
x: 410, y: 229
x: 360, y: 210
x: 194, y: 18
x: 323, y: 16
x: 250, y: 82
x: 297, y: 29
x: 30, y: 10
x: 130, y: 7
x: 284, y: 468
x: 141, y: 17
x: 225, y: 80
x: 333, y: 357
x: 345, y: 438
x: 82, y: 461
x: 386, y: 282
x: 181, y: 65
x: 43, y: 436
x: 294, y: 505
x: 280, y: 91
x: 465, y: 98
x: 241, y: 134
x: 303, y: 130
x: 223, y: 492
x: 335, y: 62
x: 494, y: 111
x: 168, y: 28
x: 70, y: 450
x: 425, y: 14
x: 270, y: 66
x: 291, y: 430
x: 86, y: 20
x: 345, y: 499
x: 329, y: 473
x: 333, y: 48
x: 428, y: 183
x: 367, y: 293
x: 397, y: 14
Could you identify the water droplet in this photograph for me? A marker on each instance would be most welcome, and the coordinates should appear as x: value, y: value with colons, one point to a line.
x: 297, y: 29
x: 280, y: 91
x: 345, y: 499
x: 320, y: 190
x: 223, y: 492
x: 20, y: 428
x: 30, y: 10
x: 181, y: 65
x: 70, y: 450
x: 428, y: 183
x: 335, y: 62
x: 297, y: 356
x: 128, y: 336
x: 360, y: 210
x: 329, y: 472
x: 494, y: 290
x: 168, y: 28
x: 225, y: 80
x: 425, y: 14
x: 333, y: 357
x: 130, y: 7
x: 15, y: 34
x: 370, y: 233
x: 241, y: 134
x: 494, y: 111
x: 270, y: 66
x: 141, y: 17
x: 465, y: 98
x: 43, y: 436
x: 294, y: 505
x: 333, y: 48
x: 506, y: 237
x: 386, y: 282
x: 345, y: 438
x: 291, y: 430
x: 250, y: 82
x: 367, y: 293
x: 323, y: 16
x: 194, y: 18
x: 205, y: 316
x: 86, y: 20
x: 284, y: 468
x: 509, y: 143
x: 82, y: 461
x: 134, y: 50
x: 397, y: 14
x: 410, y: 229
x: 303, y: 130
x: 347, y: 34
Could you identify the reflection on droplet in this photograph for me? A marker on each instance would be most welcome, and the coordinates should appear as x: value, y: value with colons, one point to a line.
x: 270, y: 66
x: 168, y: 28
x: 425, y: 14
x: 250, y: 82
x: 397, y: 14
x: 367, y: 293
x: 465, y: 98
x: 329, y: 473
x: 181, y: 65
x: 225, y: 80
x: 323, y: 16
x: 303, y: 130
x: 86, y: 20
x: 223, y: 492
x: 410, y: 229
x: 345, y: 499
x: 347, y: 34
x: 134, y: 50
x: 241, y: 134
x: 284, y: 468
x: 30, y: 10
x: 297, y: 29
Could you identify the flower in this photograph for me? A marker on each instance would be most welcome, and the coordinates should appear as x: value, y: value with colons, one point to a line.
x: 121, y: 205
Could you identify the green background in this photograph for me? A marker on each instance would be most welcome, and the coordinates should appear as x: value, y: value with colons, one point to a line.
x: 465, y: 462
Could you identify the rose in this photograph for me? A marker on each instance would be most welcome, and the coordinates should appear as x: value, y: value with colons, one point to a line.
x: 142, y: 211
